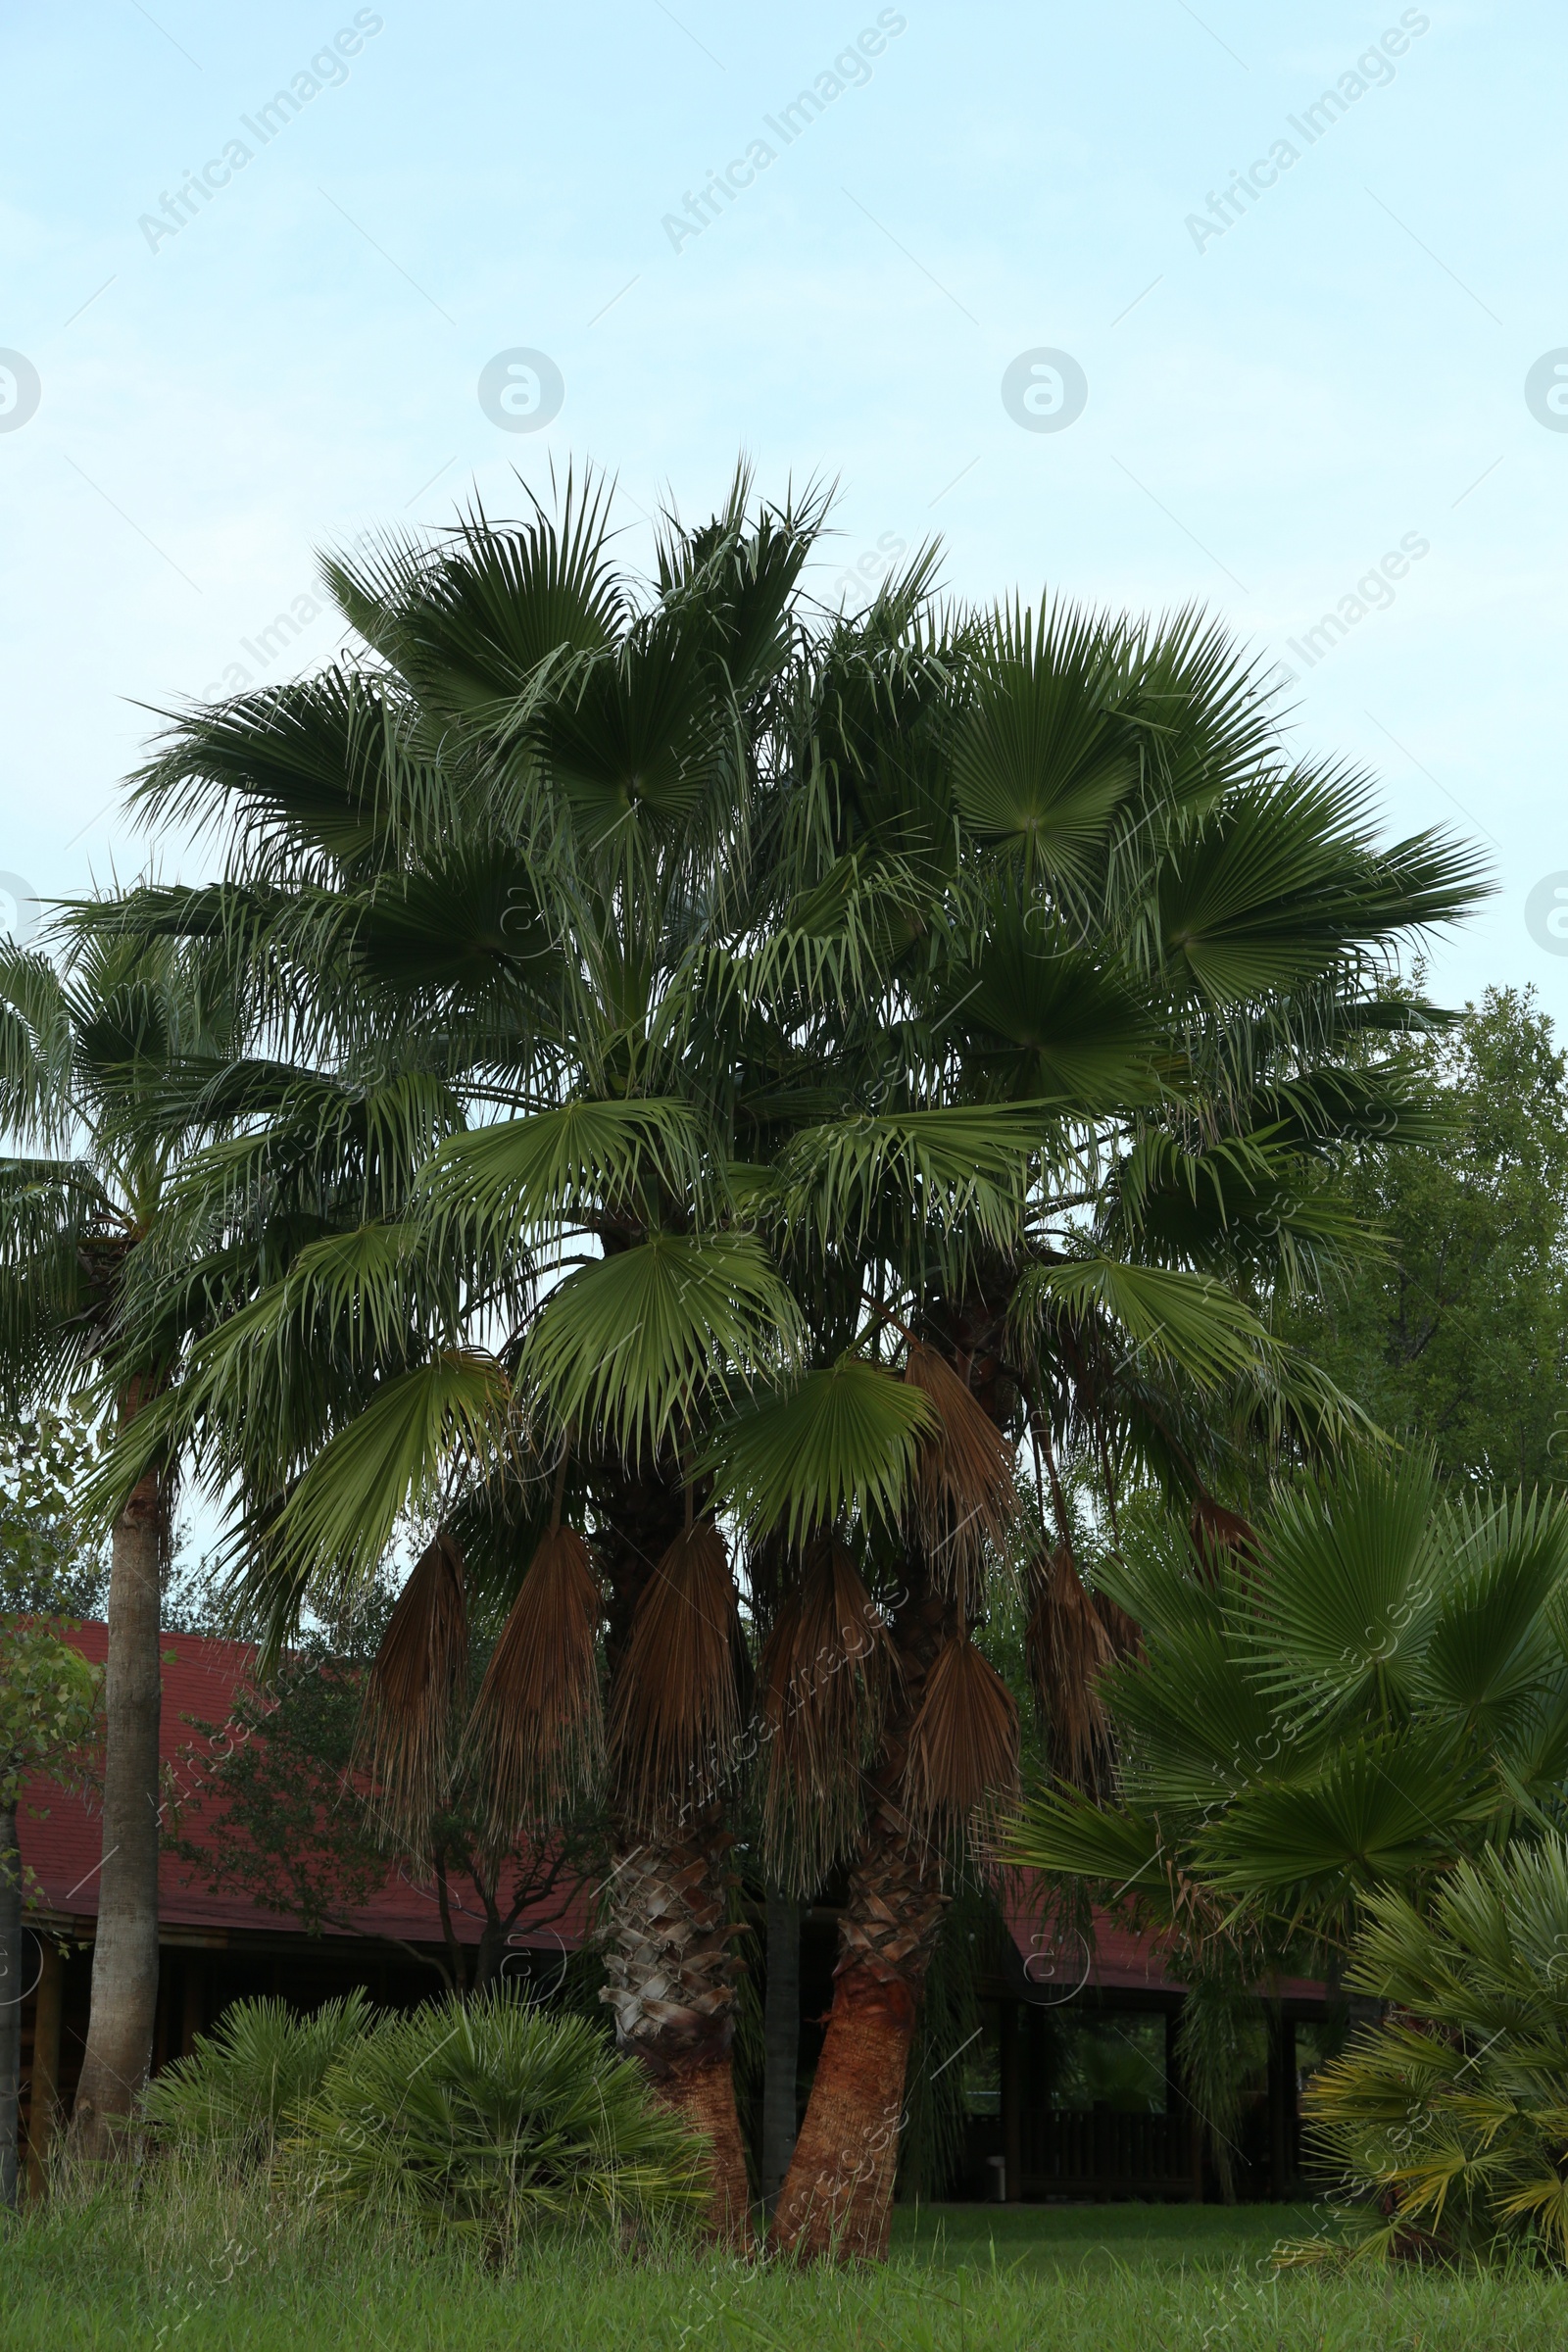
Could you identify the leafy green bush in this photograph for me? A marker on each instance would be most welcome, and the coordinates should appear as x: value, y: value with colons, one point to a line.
x: 491, y: 2118
x: 1450, y: 2121
x: 262, y: 2060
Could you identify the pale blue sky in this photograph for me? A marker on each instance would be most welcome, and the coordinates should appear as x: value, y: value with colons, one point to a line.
x: 1270, y: 410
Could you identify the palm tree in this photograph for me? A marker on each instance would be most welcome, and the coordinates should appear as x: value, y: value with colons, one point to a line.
x: 84, y: 1044
x: 1443, y: 2127
x: 1124, y: 953
x: 880, y: 1046
x: 511, y: 856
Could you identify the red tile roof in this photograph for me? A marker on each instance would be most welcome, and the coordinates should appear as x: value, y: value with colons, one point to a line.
x: 1114, y: 1959
x: 63, y: 1849
x: 62, y: 1837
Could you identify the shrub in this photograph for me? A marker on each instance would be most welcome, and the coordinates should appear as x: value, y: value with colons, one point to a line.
x: 489, y: 2119
x: 1450, y: 2121
x: 260, y: 2062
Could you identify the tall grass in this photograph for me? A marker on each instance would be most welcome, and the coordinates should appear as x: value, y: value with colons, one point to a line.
x: 189, y: 2257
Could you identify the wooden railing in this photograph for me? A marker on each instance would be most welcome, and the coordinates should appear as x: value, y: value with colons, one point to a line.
x: 1103, y: 2153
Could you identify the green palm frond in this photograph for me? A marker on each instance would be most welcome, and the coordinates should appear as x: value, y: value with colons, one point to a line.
x: 395, y: 1458
x: 354, y: 1296
x: 323, y: 769
x: 1195, y: 1726
x: 1039, y: 1019
x: 1041, y: 759
x: 36, y: 1049
x: 471, y: 622
x: 1063, y: 1832
x: 1248, y: 1201
x: 1186, y: 1321
x: 581, y: 1163
x: 1375, y: 1809
x: 1344, y: 1599
x: 840, y: 1441
x: 1283, y: 883
x: 1494, y: 1642
x: 948, y: 1168
x: 643, y: 1343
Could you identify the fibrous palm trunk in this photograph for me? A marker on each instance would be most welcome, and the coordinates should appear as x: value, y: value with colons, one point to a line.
x: 12, y: 1987
x: 837, y: 2196
x: 124, y: 1961
x: 667, y: 1935
x: 670, y: 1970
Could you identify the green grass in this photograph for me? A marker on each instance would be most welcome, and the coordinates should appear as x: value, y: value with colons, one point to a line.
x: 203, y: 2269
x: 1055, y: 2237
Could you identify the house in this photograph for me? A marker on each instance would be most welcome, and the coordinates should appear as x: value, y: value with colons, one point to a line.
x: 216, y: 1945
x: 1076, y: 2091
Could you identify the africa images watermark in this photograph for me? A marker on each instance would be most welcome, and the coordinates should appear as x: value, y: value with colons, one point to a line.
x: 863, y: 578
x: 1547, y: 914
x: 1372, y: 593
x: 1545, y: 389
x: 851, y: 70
x: 1373, y: 69
x: 19, y: 390
x: 327, y: 70
x: 268, y: 645
x: 19, y: 909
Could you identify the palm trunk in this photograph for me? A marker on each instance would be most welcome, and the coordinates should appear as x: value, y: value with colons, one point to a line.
x: 781, y: 2037
x: 837, y: 2196
x: 665, y: 1935
x: 124, y: 1961
x: 12, y: 1987
x: 670, y: 1977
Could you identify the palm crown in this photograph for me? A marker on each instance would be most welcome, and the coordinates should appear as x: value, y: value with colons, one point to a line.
x: 705, y: 1064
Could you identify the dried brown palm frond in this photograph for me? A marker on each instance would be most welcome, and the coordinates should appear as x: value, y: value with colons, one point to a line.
x: 822, y: 1683
x: 1124, y: 1634
x: 405, y: 1734
x: 964, y: 1742
x: 1215, y: 1531
x: 676, y: 1712
x: 536, y: 1735
x: 1068, y: 1646
x: 965, y: 1494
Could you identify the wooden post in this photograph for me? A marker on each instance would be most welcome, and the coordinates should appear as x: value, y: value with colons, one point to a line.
x: 1009, y: 2076
x: 44, y: 2089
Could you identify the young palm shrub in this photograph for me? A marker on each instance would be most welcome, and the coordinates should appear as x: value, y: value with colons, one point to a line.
x: 234, y: 2093
x: 1448, y: 2124
x: 492, y: 2119
x: 1372, y: 1688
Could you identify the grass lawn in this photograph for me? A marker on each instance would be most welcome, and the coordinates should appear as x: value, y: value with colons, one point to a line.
x: 220, y: 2273
x: 1058, y: 2237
